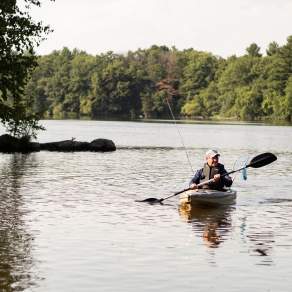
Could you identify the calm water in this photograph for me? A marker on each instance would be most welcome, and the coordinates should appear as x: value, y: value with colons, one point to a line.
x: 69, y: 221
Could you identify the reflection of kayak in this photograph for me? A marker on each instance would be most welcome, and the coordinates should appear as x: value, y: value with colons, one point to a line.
x: 205, y: 214
x: 207, y: 197
x: 213, y: 224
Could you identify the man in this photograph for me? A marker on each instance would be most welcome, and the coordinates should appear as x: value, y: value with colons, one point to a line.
x: 212, y: 169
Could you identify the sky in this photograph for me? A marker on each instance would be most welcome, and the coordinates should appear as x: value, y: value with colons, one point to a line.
x: 222, y: 27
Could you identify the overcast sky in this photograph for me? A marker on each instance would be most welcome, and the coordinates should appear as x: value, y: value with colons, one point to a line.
x: 223, y: 27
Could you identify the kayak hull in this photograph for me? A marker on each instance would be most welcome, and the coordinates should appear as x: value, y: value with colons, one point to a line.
x: 208, y: 197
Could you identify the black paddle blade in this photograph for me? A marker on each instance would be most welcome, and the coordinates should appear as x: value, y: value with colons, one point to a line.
x: 150, y: 201
x: 262, y: 160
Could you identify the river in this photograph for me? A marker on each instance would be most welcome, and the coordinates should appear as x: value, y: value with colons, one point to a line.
x: 69, y: 221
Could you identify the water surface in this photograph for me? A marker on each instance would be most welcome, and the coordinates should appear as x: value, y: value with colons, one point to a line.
x: 69, y: 221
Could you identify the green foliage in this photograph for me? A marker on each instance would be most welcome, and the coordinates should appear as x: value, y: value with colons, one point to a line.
x: 20, y: 123
x: 288, y: 100
x: 73, y: 84
x: 24, y: 128
x: 253, y: 50
x: 203, y: 105
x: 248, y: 103
x: 194, y: 108
x: 272, y: 49
x: 18, y: 36
x: 198, y: 73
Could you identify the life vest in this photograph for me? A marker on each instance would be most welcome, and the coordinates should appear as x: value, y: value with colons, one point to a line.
x: 209, y: 173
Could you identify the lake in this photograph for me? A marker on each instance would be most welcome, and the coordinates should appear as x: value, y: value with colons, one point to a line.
x: 69, y: 221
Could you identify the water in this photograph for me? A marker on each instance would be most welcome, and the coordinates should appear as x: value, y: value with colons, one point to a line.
x: 69, y: 221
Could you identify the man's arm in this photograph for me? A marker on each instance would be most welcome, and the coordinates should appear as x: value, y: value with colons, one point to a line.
x: 197, y: 177
x: 226, y: 179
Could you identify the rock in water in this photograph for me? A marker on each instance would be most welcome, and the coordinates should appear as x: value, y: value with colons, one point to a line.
x: 102, y: 145
x: 11, y: 144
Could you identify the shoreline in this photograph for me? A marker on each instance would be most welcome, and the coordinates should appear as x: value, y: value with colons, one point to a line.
x: 182, y: 121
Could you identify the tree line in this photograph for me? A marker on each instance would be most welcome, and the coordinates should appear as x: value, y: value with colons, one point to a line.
x: 145, y: 82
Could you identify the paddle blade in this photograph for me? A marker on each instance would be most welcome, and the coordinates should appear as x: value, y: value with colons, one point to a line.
x: 262, y: 160
x: 150, y: 201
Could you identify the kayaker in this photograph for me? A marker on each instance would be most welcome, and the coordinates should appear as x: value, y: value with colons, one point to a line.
x: 212, y: 169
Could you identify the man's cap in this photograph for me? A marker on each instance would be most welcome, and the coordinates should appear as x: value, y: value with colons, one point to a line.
x: 212, y: 153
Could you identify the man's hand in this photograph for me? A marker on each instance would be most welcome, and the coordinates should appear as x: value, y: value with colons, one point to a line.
x: 217, y: 177
x: 193, y: 186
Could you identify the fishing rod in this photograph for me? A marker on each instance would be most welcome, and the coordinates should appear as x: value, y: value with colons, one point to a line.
x: 164, y: 86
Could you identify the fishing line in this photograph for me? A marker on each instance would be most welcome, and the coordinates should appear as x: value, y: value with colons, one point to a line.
x: 181, y: 138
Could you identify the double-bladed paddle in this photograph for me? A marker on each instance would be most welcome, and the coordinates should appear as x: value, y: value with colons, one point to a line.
x: 257, y: 162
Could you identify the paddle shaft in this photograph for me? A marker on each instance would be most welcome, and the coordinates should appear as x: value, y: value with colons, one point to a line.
x: 199, y: 185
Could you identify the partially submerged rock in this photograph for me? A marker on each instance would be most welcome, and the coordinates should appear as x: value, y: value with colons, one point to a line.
x: 102, y: 145
x: 10, y: 144
x: 67, y: 145
x: 97, y: 145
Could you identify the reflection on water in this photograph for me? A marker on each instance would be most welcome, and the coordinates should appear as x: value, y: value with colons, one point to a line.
x: 15, y: 242
x: 260, y: 241
x: 212, y: 224
x: 69, y: 221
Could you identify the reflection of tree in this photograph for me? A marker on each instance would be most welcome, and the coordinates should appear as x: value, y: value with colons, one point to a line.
x: 15, y: 242
x: 213, y: 223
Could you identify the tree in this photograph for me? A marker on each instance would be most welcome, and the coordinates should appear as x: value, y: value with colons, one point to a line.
x: 272, y: 49
x: 115, y: 90
x: 19, y: 33
x: 198, y: 73
x: 194, y: 107
x: 248, y: 103
x: 279, y: 69
x: 288, y: 101
x: 253, y: 50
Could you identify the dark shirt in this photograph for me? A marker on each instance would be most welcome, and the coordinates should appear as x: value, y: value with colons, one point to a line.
x: 225, y: 181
